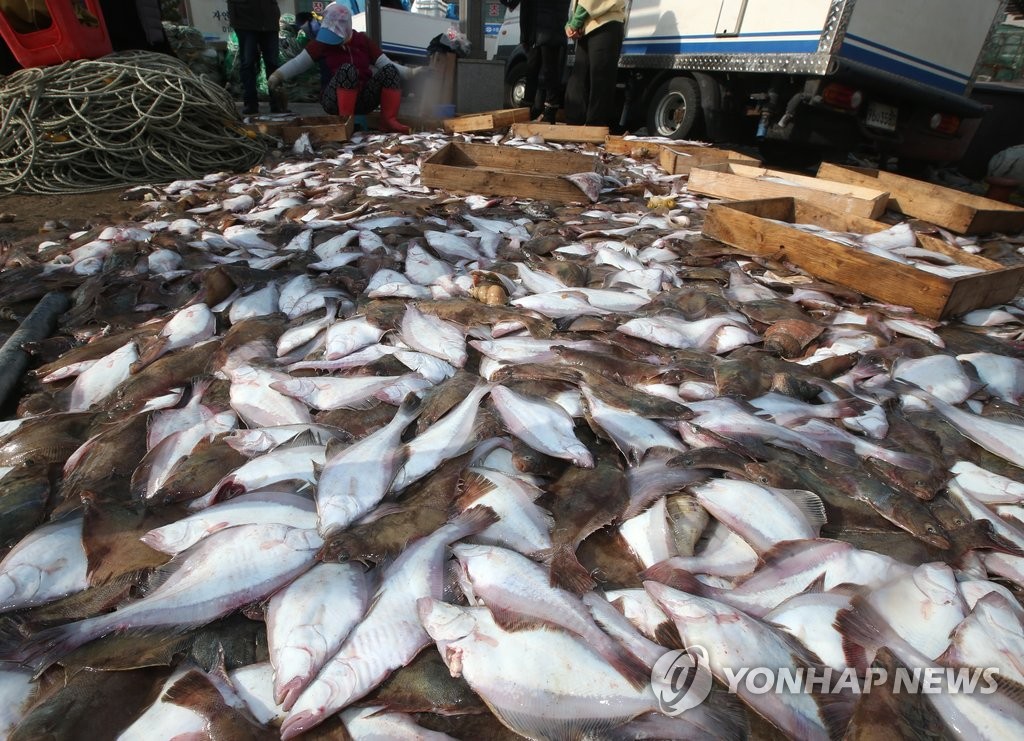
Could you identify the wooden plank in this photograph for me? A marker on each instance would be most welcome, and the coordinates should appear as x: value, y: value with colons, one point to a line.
x: 483, y: 168
x: 964, y: 213
x: 321, y: 129
x: 743, y: 182
x: 561, y: 132
x: 745, y: 226
x: 639, y: 149
x: 486, y: 121
x: 679, y: 160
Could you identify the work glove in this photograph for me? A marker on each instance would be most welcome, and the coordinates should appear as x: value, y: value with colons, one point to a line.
x: 275, y: 81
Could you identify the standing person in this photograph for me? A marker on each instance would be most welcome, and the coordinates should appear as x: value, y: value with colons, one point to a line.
x: 540, y: 33
x: 255, y: 22
x: 598, y: 27
x: 360, y: 74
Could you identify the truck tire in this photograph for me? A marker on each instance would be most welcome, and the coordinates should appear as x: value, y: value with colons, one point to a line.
x: 515, y: 86
x: 674, y: 108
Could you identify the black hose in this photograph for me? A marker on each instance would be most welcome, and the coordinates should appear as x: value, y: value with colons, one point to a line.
x: 36, y: 326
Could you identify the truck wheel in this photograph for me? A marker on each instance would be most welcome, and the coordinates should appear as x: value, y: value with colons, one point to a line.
x: 515, y: 87
x: 674, y: 109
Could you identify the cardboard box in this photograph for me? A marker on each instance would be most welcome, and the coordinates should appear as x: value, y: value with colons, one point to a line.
x: 506, y: 171
x: 750, y: 227
x: 952, y: 209
x: 744, y: 182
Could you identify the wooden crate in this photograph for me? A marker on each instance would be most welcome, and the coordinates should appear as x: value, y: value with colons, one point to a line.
x: 488, y: 121
x: 679, y: 160
x: 740, y: 182
x: 960, y: 212
x: 561, y: 132
x: 640, y: 149
x: 746, y: 226
x: 320, y: 129
x: 506, y: 171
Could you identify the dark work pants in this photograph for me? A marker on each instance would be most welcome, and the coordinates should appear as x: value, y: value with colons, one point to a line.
x: 251, y: 46
x: 590, y: 94
x: 546, y: 60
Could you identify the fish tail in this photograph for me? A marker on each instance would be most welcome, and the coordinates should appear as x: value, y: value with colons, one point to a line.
x: 670, y: 575
x: 636, y: 672
x: 471, y: 522
x: 859, y: 627
x: 43, y: 648
x: 566, y: 570
x: 195, y: 691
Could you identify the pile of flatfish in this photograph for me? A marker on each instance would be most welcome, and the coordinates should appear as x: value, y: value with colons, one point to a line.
x: 319, y: 451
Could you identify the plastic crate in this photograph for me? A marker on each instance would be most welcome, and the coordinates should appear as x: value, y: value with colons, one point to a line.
x: 76, y: 30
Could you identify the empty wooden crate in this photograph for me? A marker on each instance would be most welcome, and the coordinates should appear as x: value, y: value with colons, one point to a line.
x: 960, y: 212
x: 679, y: 160
x: 507, y: 171
x: 752, y: 227
x: 743, y: 182
x: 320, y: 129
x: 562, y: 132
x: 488, y: 121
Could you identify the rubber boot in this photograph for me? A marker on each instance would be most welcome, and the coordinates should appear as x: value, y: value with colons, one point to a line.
x: 390, y: 100
x: 550, y: 113
x: 347, y: 101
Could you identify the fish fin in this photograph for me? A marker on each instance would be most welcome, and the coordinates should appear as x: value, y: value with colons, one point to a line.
x: 836, y: 711
x: 566, y: 570
x: 371, y: 402
x: 472, y: 521
x: 809, y: 504
x: 333, y: 446
x: 305, y: 438
x: 511, y: 621
x: 857, y: 625
x: 1010, y: 688
x: 196, y: 692
x: 852, y: 406
x: 41, y: 649
x: 817, y: 586
x: 664, y: 572
x: 472, y: 486
x: 666, y: 634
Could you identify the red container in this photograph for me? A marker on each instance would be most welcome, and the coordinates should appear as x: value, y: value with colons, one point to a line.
x: 76, y: 30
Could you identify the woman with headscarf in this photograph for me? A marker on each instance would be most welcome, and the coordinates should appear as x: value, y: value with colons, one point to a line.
x: 360, y: 74
x: 598, y: 27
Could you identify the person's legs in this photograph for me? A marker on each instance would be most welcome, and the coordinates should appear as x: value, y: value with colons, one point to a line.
x: 551, y: 65
x: 604, y: 44
x: 346, y: 78
x: 270, y: 51
x: 248, y: 51
x: 577, y: 90
x: 533, y: 62
x: 389, y: 82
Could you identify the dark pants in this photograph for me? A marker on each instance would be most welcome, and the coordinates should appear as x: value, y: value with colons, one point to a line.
x: 347, y: 76
x: 251, y: 46
x: 590, y: 94
x: 544, y: 60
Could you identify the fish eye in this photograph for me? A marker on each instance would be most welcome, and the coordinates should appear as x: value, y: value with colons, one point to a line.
x: 959, y: 522
x: 930, y: 529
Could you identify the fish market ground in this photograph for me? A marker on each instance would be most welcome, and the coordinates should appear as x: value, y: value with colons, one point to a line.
x: 638, y: 429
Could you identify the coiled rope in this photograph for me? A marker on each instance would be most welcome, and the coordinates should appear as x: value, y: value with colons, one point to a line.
x: 127, y: 118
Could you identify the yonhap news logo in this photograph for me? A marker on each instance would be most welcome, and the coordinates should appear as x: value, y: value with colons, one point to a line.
x: 681, y: 680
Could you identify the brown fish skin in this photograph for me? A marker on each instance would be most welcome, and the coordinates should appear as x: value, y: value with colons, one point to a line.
x: 111, y: 535
x: 831, y: 481
x: 357, y: 423
x: 1004, y: 411
x: 174, y: 369
x: 582, y: 501
x: 223, y: 722
x: 255, y: 337
x: 126, y: 651
x: 966, y: 534
x: 24, y: 498
x: 72, y: 711
x: 957, y: 447
x: 692, y: 301
x: 570, y: 273
x: 717, y: 459
x: 912, y: 439
x: 199, y: 472
x: 644, y: 404
x: 772, y: 311
x: 613, y: 368
x: 421, y: 511
x: 46, y: 440
x: 479, y: 726
x: 425, y: 685
x: 608, y: 557
x: 112, y: 455
x: 788, y: 338
x: 533, y: 462
x: 470, y: 313
x: 443, y: 397
x: 883, y: 714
